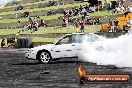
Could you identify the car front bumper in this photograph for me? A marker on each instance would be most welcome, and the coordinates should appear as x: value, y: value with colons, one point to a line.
x: 30, y: 56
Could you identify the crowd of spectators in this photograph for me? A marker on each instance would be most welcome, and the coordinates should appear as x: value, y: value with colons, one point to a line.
x: 32, y: 24
x: 83, y: 11
x: 114, y: 23
x: 35, y: 23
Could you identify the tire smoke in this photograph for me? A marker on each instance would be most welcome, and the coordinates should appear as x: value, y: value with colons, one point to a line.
x: 114, y: 51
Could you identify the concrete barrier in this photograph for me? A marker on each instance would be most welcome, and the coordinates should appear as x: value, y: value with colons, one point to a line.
x: 57, y: 35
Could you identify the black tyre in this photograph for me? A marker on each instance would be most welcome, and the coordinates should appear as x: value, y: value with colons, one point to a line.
x: 44, y: 57
x: 82, y: 80
x: 22, y: 43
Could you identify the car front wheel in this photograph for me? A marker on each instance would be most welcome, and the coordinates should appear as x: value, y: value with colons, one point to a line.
x: 44, y: 57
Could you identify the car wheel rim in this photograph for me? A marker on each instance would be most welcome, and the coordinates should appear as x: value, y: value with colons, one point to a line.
x: 45, y: 57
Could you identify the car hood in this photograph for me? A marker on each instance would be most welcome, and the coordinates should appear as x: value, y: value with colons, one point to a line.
x: 46, y: 47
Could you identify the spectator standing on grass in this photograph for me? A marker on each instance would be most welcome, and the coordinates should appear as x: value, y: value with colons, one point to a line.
x: 29, y: 26
x: 49, y: 13
x: 19, y: 23
x: 111, y: 24
x: 67, y: 24
x: 130, y: 30
x: 16, y: 16
x: 116, y: 23
x: 42, y: 22
x: 108, y: 7
x: 63, y: 22
x: 35, y: 26
x: 86, y: 14
x: 77, y: 25
x: 30, y: 21
x: 129, y: 22
x: 93, y: 21
x: 122, y: 1
x: 83, y: 25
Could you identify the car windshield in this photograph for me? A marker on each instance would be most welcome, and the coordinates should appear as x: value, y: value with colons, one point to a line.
x: 65, y: 40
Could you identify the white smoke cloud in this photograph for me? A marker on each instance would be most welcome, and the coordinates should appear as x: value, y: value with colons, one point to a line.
x: 116, y: 51
x: 4, y: 2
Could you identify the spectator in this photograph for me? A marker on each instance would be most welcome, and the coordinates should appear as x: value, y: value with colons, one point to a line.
x: 92, y: 8
x: 130, y: 30
x: 3, y: 42
x: 130, y: 9
x: 122, y: 1
x: 111, y: 24
x: 42, y: 23
x: 65, y: 13
x: 63, y: 22
x: 35, y: 19
x: 19, y: 23
x: 20, y: 7
x: 30, y: 22
x: 51, y: 3
x: 83, y: 25
x: 97, y: 20
x: 108, y: 7
x: 49, y: 13
x: 35, y: 26
x: 122, y: 8
x: 16, y: 16
x: 67, y: 22
x: 26, y: 14
x: 129, y: 22
x: 93, y: 21
x: 86, y: 14
x: 29, y: 26
x: 77, y: 25
x: 116, y: 23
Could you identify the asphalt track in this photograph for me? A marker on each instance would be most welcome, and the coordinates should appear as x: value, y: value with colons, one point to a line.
x: 18, y: 72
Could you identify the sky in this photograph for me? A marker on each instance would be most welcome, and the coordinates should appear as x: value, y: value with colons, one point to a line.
x: 3, y: 2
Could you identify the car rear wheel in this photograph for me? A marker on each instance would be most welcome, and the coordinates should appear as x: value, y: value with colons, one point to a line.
x: 44, y: 57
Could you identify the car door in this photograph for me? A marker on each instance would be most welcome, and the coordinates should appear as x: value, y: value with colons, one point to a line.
x: 85, y: 42
x: 64, y: 48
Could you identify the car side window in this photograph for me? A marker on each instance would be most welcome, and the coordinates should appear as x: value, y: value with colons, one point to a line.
x: 77, y: 38
x: 87, y: 38
x: 65, y: 40
x: 90, y: 38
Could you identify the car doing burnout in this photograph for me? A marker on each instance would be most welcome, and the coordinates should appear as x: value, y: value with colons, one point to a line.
x: 67, y: 46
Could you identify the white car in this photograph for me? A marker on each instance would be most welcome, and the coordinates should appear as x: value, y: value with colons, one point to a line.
x: 67, y: 46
